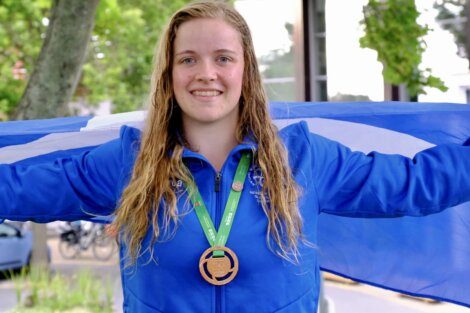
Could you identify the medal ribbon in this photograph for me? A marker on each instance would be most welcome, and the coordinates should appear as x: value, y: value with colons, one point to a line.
x: 218, y: 239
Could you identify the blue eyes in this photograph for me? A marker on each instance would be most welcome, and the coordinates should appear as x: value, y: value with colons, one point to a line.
x: 224, y: 59
x: 187, y: 61
x: 220, y: 59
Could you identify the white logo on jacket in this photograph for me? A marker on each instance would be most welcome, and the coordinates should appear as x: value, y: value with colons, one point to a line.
x: 178, y: 187
x: 256, y: 180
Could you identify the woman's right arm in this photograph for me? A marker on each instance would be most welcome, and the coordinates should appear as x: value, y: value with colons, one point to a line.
x: 72, y: 188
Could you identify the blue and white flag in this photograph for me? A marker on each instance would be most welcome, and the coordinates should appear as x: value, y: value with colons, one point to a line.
x: 422, y: 256
x: 425, y: 256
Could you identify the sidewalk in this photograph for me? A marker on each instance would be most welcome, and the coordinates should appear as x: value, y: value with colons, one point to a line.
x: 363, y: 298
x: 343, y: 297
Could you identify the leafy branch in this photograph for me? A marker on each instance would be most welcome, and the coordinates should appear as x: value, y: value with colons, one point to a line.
x: 391, y: 29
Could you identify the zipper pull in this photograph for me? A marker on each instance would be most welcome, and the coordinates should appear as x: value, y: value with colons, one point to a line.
x: 218, y: 179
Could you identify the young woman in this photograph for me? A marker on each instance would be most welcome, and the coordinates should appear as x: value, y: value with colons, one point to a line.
x: 217, y: 210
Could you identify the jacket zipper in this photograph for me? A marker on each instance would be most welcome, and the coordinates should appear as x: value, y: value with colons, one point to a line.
x: 218, y: 217
x: 218, y: 179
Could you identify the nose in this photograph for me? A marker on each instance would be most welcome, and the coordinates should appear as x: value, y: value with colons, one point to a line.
x: 206, y: 72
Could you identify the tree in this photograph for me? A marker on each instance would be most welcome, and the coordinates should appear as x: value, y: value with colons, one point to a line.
x: 55, y: 77
x: 391, y: 29
x: 57, y: 70
x: 454, y: 16
x: 118, y: 59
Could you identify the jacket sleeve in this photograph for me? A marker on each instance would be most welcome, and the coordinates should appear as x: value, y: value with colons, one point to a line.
x: 379, y: 185
x: 72, y: 188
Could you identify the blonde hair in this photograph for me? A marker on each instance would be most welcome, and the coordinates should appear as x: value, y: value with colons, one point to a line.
x: 159, y: 162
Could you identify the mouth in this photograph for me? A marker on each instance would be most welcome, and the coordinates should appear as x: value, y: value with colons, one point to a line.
x: 206, y: 93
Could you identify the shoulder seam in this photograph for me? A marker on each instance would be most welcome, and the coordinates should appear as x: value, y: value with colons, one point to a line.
x: 303, y: 125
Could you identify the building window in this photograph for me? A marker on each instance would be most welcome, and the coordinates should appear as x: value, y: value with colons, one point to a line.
x: 315, y: 50
x: 273, y: 38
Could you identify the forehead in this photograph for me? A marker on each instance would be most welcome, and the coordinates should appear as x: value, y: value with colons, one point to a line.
x: 207, y: 34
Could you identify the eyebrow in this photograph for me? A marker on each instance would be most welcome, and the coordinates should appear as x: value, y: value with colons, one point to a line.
x: 216, y: 51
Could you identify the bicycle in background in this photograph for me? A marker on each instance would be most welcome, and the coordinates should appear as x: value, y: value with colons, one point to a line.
x: 81, y: 236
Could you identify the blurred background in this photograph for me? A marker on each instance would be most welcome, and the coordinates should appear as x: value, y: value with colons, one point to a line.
x: 315, y: 50
x: 91, y: 57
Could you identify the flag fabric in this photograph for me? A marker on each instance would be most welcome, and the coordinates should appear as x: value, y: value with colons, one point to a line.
x: 421, y: 256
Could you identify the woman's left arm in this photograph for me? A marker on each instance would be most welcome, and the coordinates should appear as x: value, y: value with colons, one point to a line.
x: 355, y: 184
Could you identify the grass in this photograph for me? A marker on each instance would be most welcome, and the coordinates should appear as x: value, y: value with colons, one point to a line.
x: 39, y: 291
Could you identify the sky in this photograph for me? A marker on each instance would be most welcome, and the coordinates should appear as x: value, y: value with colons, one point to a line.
x: 351, y: 69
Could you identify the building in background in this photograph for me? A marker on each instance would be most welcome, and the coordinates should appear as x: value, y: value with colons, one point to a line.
x: 309, y: 51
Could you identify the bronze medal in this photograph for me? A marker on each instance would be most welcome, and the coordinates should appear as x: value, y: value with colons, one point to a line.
x: 218, y: 270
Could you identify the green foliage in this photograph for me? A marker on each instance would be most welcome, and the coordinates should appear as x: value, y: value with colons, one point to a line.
x: 21, y: 27
x: 41, y: 292
x: 391, y: 29
x: 121, y: 51
x: 119, y: 62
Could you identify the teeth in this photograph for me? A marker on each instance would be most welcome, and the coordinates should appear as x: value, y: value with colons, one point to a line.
x: 211, y: 93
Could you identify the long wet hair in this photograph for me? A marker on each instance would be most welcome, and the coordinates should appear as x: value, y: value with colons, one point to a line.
x: 150, y: 198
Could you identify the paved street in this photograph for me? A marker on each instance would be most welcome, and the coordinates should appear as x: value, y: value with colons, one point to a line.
x: 344, y: 298
x: 366, y: 299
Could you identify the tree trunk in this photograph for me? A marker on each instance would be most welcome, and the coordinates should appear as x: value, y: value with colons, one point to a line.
x: 39, y: 257
x: 55, y: 77
x: 467, y: 30
x: 57, y: 70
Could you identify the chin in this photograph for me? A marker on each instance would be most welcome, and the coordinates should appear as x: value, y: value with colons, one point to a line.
x: 208, y: 119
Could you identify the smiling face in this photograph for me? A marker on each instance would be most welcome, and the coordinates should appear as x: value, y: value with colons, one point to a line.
x: 207, y: 72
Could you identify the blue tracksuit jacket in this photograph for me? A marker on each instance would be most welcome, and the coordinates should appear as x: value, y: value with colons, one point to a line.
x: 333, y: 180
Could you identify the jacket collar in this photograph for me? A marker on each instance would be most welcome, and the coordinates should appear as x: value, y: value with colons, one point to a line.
x: 248, y: 144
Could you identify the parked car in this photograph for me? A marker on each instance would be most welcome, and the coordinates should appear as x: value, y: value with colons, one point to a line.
x: 16, y: 246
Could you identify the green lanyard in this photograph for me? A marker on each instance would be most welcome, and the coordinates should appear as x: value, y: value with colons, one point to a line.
x: 218, y: 239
